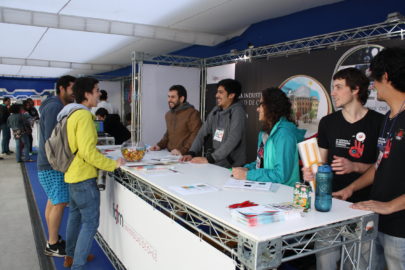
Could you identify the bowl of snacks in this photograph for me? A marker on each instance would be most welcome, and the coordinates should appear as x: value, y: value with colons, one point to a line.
x: 133, y: 151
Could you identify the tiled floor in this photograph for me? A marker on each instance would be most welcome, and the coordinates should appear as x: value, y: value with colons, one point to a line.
x: 17, y: 246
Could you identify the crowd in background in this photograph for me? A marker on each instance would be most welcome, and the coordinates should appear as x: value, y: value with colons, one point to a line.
x: 18, y: 120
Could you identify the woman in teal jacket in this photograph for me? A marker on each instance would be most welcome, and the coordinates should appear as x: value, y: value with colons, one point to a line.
x: 277, y: 153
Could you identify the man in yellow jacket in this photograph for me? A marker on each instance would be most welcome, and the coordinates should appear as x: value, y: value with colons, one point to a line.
x: 84, y: 203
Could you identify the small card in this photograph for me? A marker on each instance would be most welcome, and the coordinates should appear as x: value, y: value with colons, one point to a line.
x: 199, y: 188
x: 245, y: 184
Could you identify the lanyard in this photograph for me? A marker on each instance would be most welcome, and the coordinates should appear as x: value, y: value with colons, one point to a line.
x: 393, y: 123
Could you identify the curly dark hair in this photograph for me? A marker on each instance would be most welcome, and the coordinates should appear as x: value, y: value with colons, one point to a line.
x: 392, y: 62
x: 276, y: 104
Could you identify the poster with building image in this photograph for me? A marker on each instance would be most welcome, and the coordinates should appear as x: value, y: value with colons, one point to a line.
x: 310, y: 101
x: 360, y: 57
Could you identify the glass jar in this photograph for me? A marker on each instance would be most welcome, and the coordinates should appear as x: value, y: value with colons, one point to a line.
x: 133, y: 151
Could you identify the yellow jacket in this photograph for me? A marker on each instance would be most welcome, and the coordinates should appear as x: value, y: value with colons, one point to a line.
x: 82, y: 135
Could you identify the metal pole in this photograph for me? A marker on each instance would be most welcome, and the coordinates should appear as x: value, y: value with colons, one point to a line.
x: 139, y: 100
x: 133, y: 98
x: 203, y: 88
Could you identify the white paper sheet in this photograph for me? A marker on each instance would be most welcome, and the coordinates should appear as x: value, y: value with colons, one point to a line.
x: 245, y: 184
x: 193, y: 189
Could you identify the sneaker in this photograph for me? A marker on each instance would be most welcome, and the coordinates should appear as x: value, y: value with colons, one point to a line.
x: 69, y: 260
x: 55, y: 250
x: 61, y: 241
x: 9, y: 153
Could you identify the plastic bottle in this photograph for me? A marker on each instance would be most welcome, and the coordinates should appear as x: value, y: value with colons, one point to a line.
x: 323, y: 190
x: 102, y: 175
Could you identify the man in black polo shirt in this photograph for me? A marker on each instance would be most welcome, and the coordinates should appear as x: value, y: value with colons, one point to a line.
x: 388, y: 174
x: 347, y: 140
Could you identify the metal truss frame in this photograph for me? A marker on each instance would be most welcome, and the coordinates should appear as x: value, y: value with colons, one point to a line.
x: 348, y: 235
x: 171, y: 60
x: 365, y: 34
x: 392, y: 28
x: 109, y: 252
x: 211, y: 230
x: 248, y: 253
x: 138, y: 59
x: 386, y: 30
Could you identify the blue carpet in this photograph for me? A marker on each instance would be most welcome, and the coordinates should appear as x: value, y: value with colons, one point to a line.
x: 100, y: 262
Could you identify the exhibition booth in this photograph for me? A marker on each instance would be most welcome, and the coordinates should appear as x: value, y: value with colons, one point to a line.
x: 146, y: 224
x: 179, y: 218
x: 160, y: 213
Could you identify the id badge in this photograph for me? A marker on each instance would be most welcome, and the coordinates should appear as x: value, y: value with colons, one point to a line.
x: 219, y: 134
x: 379, y: 158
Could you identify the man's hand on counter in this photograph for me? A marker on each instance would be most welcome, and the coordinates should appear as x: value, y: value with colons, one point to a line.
x: 155, y: 148
x: 186, y: 158
x: 199, y: 160
x: 175, y: 152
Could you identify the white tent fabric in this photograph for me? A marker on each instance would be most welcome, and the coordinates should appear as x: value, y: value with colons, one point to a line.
x: 54, y: 37
x: 155, y: 83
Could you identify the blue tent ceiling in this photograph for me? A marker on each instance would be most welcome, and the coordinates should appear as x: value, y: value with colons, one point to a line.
x: 316, y: 21
x: 320, y: 20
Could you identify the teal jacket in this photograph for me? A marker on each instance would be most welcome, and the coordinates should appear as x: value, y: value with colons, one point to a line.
x: 280, y: 155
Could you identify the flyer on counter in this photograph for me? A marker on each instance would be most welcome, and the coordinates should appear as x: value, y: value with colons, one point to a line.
x: 245, y: 184
x: 169, y: 158
x: 193, y: 189
x: 153, y: 169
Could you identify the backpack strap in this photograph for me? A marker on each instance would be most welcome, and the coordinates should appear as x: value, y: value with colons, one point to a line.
x: 67, y: 117
x: 72, y: 111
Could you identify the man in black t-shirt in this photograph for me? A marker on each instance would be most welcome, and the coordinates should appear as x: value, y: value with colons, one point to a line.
x: 113, y: 126
x: 388, y: 175
x: 347, y: 139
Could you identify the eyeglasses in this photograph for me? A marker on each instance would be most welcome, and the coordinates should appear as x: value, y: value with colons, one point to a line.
x: 260, y: 104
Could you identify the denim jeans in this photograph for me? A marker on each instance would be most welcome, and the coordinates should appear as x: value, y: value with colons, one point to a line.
x: 5, y: 140
x: 389, y: 252
x: 83, y: 221
x: 23, y: 139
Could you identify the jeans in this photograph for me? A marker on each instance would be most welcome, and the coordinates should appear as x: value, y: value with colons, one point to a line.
x: 5, y: 141
x: 23, y: 139
x: 83, y: 221
x: 31, y: 140
x: 389, y: 252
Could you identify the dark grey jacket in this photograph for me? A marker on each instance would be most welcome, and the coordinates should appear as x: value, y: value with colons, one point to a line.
x: 231, y: 151
x: 49, y: 109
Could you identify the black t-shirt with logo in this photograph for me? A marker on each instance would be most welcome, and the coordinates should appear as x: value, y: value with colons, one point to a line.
x: 355, y: 141
x: 389, y: 181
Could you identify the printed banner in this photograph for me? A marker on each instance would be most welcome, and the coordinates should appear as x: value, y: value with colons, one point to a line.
x: 143, y: 238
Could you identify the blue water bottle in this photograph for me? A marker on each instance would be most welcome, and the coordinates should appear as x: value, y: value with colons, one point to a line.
x: 323, y: 190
